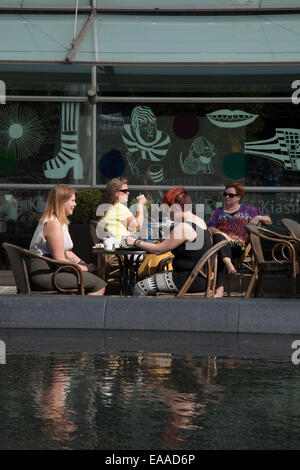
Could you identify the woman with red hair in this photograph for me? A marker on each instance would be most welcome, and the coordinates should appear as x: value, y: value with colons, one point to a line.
x: 189, y: 239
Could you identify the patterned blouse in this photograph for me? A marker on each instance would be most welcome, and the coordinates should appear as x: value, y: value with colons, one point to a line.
x: 234, y: 225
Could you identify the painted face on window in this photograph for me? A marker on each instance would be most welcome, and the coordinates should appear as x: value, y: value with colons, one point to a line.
x: 148, y: 131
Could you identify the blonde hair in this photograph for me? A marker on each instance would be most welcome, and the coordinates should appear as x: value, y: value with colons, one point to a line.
x: 54, y: 207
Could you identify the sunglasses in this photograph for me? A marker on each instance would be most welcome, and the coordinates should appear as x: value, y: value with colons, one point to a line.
x: 125, y: 191
x: 229, y: 195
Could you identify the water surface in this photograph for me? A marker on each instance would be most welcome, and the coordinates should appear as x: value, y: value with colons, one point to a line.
x: 134, y: 390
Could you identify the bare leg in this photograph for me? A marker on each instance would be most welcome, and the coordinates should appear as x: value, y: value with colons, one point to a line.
x: 229, y: 266
x: 99, y: 292
x: 219, y: 291
x: 230, y: 270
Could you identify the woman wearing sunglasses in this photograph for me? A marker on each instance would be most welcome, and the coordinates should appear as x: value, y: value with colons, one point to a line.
x: 229, y: 222
x: 115, y: 218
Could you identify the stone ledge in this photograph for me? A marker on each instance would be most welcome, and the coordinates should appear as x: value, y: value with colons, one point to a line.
x: 230, y: 315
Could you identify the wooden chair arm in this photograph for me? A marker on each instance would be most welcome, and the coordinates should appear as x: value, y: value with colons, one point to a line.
x: 66, y: 266
x: 280, y: 242
x: 279, y: 235
x: 163, y: 263
x: 57, y: 262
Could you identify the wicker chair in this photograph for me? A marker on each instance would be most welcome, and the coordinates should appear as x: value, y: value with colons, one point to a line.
x: 17, y: 259
x: 108, y: 266
x: 292, y: 227
x: 207, y: 266
x: 164, y: 264
x: 287, y: 264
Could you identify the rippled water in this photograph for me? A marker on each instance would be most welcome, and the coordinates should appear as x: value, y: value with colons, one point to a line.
x: 96, y: 390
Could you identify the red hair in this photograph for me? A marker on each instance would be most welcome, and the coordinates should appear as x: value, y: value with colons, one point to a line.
x: 177, y: 196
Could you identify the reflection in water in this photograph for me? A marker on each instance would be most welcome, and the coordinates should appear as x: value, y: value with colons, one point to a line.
x: 144, y: 400
x: 52, y: 406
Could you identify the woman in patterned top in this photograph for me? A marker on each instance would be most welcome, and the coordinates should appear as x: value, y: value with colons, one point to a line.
x: 229, y: 222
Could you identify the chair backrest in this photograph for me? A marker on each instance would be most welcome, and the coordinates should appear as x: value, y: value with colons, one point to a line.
x: 278, y: 240
x: 207, y: 261
x: 245, y: 259
x: 18, y: 256
x: 255, y: 240
x: 93, y: 233
x: 292, y: 227
x: 207, y: 266
x: 17, y: 260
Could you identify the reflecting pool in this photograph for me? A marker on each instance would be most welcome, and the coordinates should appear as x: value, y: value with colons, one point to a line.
x: 137, y: 390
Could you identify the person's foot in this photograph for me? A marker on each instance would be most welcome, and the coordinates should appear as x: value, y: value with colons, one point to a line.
x: 219, y: 292
x: 231, y: 271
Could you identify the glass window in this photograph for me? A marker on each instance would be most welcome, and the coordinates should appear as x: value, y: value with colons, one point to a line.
x: 192, y: 3
x: 272, y: 81
x: 45, y: 143
x: 199, y: 144
x: 20, y: 211
x: 47, y: 80
x: 49, y: 3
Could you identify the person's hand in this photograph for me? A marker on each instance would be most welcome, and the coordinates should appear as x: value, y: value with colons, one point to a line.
x: 83, y: 267
x: 130, y: 241
x: 255, y: 220
x: 91, y: 267
x: 141, y: 199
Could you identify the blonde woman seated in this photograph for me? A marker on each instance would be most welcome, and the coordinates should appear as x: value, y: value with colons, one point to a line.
x: 52, y: 239
x: 188, y: 228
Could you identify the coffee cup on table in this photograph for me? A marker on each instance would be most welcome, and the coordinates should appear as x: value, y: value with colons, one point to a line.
x: 110, y: 244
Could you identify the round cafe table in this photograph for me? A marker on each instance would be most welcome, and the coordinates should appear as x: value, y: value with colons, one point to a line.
x: 129, y: 260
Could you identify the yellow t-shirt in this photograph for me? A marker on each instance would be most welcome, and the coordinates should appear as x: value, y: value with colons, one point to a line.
x: 112, y: 221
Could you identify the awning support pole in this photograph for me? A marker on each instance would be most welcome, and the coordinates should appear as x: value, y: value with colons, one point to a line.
x: 75, y: 44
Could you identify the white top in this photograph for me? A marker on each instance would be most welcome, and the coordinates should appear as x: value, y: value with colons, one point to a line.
x: 40, y: 245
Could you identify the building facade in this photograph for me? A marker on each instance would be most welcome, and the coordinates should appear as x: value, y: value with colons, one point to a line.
x: 162, y: 92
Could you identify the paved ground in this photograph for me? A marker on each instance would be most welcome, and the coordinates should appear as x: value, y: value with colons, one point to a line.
x: 7, y: 290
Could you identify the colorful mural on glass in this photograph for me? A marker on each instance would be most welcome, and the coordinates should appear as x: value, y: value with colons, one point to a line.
x: 145, y: 142
x: 68, y: 156
x: 283, y: 148
x: 231, y: 119
x: 21, y: 135
x: 199, y: 158
x: 185, y: 144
